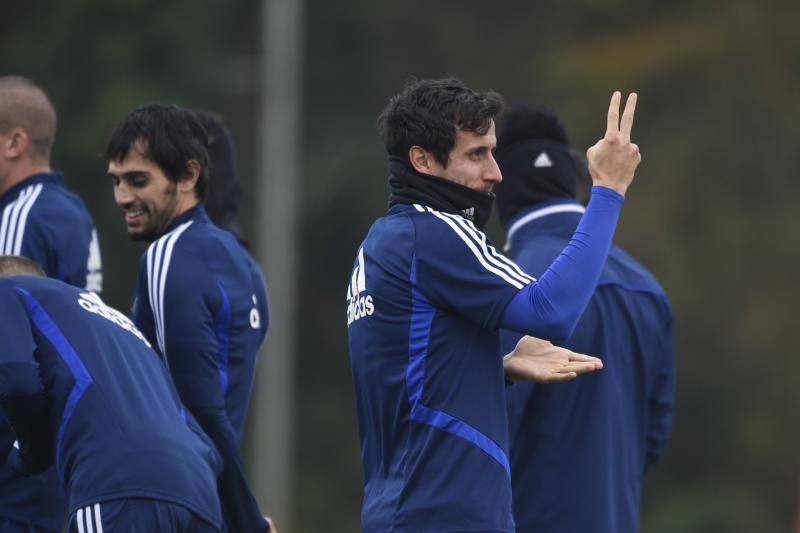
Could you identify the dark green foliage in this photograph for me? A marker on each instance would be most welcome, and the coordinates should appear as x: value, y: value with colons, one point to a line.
x: 712, y: 212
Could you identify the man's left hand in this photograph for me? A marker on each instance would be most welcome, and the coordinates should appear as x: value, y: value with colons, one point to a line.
x: 540, y: 361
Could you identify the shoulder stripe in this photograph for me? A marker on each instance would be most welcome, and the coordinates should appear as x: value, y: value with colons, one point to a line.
x: 479, y: 255
x: 505, y: 259
x: 159, y: 256
x: 11, y: 219
x: 98, y: 518
x: 10, y: 224
x: 88, y: 514
x: 153, y: 268
x: 79, y: 520
x: 490, y: 252
x: 23, y: 218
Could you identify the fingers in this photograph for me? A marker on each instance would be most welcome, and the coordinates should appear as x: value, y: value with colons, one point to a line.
x: 559, y: 378
x: 586, y: 359
x: 579, y: 368
x: 627, y: 116
x: 573, y: 356
x: 612, y: 126
x: 635, y: 148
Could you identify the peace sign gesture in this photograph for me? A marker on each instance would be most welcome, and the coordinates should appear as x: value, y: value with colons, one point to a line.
x: 613, y: 159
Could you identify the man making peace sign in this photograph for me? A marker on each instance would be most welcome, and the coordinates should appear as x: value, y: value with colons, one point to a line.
x: 427, y: 295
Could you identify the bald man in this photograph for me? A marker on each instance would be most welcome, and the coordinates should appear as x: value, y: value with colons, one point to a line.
x: 41, y: 220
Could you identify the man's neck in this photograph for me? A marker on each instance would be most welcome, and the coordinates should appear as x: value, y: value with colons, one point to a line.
x: 187, y: 203
x: 184, y: 204
x: 20, y: 173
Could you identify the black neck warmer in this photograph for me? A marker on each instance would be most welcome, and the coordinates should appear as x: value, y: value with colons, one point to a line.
x: 407, y: 186
x: 534, y: 170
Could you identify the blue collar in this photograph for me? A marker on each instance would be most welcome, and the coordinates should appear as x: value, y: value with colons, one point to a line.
x: 544, y: 214
x: 195, y: 214
x: 43, y: 177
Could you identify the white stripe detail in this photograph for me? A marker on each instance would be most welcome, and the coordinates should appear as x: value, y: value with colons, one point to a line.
x: 419, y: 208
x: 362, y: 277
x: 23, y: 218
x: 354, y: 282
x: 157, y: 271
x: 471, y: 245
x: 10, y: 219
x: 89, y: 528
x: 79, y: 520
x: 98, y: 519
x: 153, y: 264
x: 489, y: 251
x: 539, y: 213
x: 4, y: 227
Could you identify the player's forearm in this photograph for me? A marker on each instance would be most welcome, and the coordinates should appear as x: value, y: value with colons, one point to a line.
x: 551, y: 307
x: 239, y: 507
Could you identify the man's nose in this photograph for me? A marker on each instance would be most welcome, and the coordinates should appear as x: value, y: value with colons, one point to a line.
x: 122, y: 195
x: 493, y: 174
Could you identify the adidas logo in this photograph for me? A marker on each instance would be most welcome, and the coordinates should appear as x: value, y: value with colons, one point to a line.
x: 543, y: 161
x: 469, y: 213
x: 91, y: 302
x: 358, y: 306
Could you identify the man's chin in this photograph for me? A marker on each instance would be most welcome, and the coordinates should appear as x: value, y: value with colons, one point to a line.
x: 139, y: 234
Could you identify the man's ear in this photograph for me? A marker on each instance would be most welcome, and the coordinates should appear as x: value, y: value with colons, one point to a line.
x: 14, y: 144
x: 421, y: 159
x: 190, y: 176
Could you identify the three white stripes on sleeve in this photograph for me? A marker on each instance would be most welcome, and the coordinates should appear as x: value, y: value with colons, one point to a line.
x: 159, y: 255
x: 485, y: 253
x: 85, y: 522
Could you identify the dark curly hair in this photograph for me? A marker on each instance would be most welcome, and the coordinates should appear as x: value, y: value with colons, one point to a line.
x: 427, y: 113
x: 170, y: 137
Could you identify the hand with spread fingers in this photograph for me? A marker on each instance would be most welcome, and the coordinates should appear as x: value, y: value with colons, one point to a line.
x: 539, y: 360
x: 614, y: 158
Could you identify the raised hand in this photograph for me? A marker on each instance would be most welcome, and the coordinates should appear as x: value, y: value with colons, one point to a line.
x: 538, y: 360
x: 613, y: 159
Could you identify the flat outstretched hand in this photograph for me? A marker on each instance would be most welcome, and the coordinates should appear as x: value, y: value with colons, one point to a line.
x: 540, y: 361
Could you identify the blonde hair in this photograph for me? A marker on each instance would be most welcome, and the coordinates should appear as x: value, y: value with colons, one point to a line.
x: 15, y: 265
x: 23, y: 104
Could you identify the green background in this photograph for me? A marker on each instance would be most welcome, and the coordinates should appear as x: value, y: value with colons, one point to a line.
x: 712, y: 212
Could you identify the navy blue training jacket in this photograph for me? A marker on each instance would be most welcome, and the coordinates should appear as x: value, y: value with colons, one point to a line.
x: 579, y: 450
x: 43, y: 221
x: 202, y: 302
x: 424, y: 303
x: 82, y: 389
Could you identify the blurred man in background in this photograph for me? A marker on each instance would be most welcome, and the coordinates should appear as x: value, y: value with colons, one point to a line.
x: 83, y: 390
x: 579, y: 450
x: 224, y: 194
x: 427, y: 295
x: 200, y: 298
x: 39, y: 219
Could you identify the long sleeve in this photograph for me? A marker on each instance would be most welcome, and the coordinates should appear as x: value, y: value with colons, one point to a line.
x: 187, y: 323
x: 239, y: 507
x: 551, y: 306
x: 661, y: 401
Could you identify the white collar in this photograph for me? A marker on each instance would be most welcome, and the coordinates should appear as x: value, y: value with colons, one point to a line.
x: 539, y: 213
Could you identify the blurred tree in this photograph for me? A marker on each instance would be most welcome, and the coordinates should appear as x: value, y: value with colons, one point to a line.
x: 712, y: 212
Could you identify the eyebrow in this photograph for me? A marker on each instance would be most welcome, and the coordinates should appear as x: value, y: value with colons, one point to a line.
x: 478, y: 149
x: 129, y: 175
